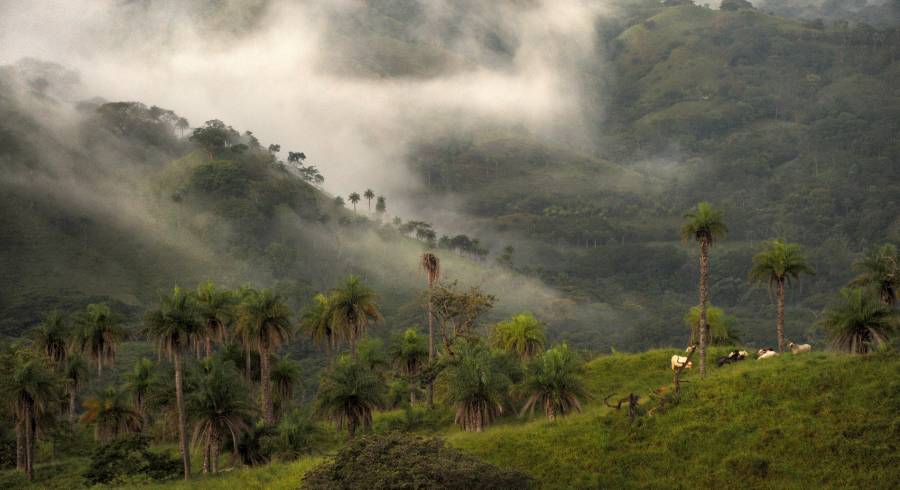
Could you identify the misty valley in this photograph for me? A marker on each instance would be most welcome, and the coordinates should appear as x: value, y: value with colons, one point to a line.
x: 450, y: 244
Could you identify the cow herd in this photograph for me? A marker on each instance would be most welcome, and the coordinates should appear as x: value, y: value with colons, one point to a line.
x: 682, y: 362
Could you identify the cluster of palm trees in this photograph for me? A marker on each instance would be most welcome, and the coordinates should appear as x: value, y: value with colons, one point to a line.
x: 862, y: 321
x: 368, y: 195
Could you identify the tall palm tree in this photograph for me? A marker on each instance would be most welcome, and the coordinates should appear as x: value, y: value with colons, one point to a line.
x: 859, y: 323
x: 432, y: 267
x: 353, y: 198
x: 315, y: 321
x: 353, y: 308
x: 137, y: 382
x: 477, y: 386
x: 99, y: 333
x: 778, y: 264
x: 555, y: 383
x: 174, y: 325
x: 216, y: 310
x: 720, y: 326
x: 348, y: 394
x: 880, y: 268
x: 264, y: 322
x: 705, y: 225
x: 285, y: 376
x: 31, y: 389
x: 219, y: 407
x: 369, y: 195
x: 108, y: 411
x: 75, y: 374
x: 521, y: 335
x: 51, y: 338
x: 408, y: 353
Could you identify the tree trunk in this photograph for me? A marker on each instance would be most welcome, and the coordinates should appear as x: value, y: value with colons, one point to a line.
x: 704, y: 328
x: 551, y: 412
x: 72, y: 406
x: 214, y: 453
x: 207, y: 450
x: 779, y: 323
x: 99, y: 367
x: 248, y: 365
x: 430, y: 347
x: 208, y: 346
x: 264, y: 385
x: 182, y: 419
x: 20, y: 445
x: 29, y: 444
x: 351, y: 428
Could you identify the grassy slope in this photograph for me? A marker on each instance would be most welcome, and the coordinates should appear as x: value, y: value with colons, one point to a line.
x: 817, y: 420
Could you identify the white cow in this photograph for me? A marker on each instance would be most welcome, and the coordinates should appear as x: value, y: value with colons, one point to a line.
x: 799, y: 349
x: 765, y: 354
x: 679, y: 361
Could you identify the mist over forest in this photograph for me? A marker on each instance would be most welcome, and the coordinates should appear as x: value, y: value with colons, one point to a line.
x: 551, y: 155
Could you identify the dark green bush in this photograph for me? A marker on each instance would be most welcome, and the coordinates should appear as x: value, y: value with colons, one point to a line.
x: 130, y: 457
x: 407, y: 461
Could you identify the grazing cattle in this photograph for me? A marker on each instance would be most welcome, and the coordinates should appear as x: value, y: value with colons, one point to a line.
x: 799, y: 349
x: 765, y: 354
x: 679, y: 361
x: 733, y: 356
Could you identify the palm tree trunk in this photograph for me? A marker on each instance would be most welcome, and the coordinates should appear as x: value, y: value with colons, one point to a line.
x: 264, y: 385
x: 72, y: 406
x: 29, y: 441
x: 248, y: 365
x: 208, y: 346
x: 20, y: 446
x: 704, y: 328
x: 430, y: 346
x: 99, y: 367
x: 351, y: 428
x: 182, y: 419
x: 779, y: 323
x: 207, y: 451
x: 551, y: 413
x: 214, y: 453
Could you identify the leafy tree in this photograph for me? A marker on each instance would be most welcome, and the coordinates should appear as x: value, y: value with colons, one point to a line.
x: 31, y: 389
x: 353, y: 309
x: 522, y: 335
x: 174, y: 325
x: 476, y: 386
x: 408, y: 352
x: 274, y: 148
x: 348, y: 394
x: 369, y: 195
x: 137, y: 382
x: 264, y: 323
x: 353, y: 198
x: 859, y: 323
x: 381, y: 206
x: 720, y: 331
x: 285, y: 376
x: 74, y: 374
x: 704, y: 224
x: 432, y: 267
x: 51, y: 338
x: 339, y: 201
x: 219, y: 407
x: 214, y: 137
x: 554, y: 382
x: 779, y: 263
x: 880, y: 268
x: 108, y: 411
x: 458, y: 311
x: 99, y: 333
x: 216, y: 308
x: 315, y: 321
x: 129, y: 457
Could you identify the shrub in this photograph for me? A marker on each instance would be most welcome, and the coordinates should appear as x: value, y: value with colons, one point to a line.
x: 406, y: 461
x: 127, y: 459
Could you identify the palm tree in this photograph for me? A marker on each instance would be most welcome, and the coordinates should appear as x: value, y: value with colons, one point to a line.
x: 99, y: 333
x: 75, y: 374
x: 521, y: 335
x: 705, y: 225
x: 369, y: 195
x: 31, y: 389
x: 432, y: 267
x: 859, y: 323
x: 219, y: 407
x: 381, y: 206
x: 137, y: 382
x: 778, y: 264
x: 476, y: 386
x: 880, y: 268
x: 348, y: 394
x: 51, y: 338
x: 284, y: 376
x: 408, y: 353
x: 353, y: 198
x: 353, y: 308
x: 720, y: 331
x: 264, y: 322
x: 216, y: 310
x: 174, y: 325
x: 315, y: 321
x: 109, y: 413
x: 554, y: 382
